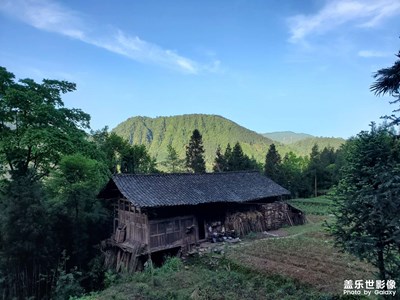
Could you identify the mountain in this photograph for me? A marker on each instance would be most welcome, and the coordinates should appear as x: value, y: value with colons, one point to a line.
x: 303, y: 147
x: 286, y: 137
x: 157, y: 133
x: 302, y: 143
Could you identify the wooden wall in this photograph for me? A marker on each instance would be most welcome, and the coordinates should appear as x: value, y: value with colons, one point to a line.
x: 171, y: 232
x: 130, y: 224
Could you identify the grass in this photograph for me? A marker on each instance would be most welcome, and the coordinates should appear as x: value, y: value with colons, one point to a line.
x: 307, y: 254
x: 314, y: 206
x: 302, y: 265
x: 206, y: 278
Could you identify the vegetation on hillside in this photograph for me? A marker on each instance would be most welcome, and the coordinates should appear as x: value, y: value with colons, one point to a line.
x: 286, y: 137
x: 234, y: 160
x: 314, y: 175
x: 158, y: 133
x: 304, y: 147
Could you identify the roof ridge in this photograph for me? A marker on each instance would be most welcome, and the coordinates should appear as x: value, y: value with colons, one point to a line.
x: 187, y: 174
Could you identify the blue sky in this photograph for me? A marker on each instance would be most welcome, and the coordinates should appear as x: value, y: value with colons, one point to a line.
x: 268, y: 65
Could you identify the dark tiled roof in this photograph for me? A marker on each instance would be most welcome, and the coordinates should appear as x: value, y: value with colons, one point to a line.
x: 191, y: 189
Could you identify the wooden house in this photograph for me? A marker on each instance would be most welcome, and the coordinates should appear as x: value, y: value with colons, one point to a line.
x: 163, y: 211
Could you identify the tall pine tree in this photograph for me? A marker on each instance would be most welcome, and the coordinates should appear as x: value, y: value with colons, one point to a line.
x: 273, y: 164
x: 238, y: 160
x: 195, y: 153
x: 173, y: 162
x: 220, y: 163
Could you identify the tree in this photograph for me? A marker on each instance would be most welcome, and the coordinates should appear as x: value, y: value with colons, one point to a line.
x: 79, y: 218
x: 195, y: 153
x: 292, y: 175
x: 120, y: 156
x: 314, y: 168
x: 173, y: 162
x: 136, y: 160
x: 27, y: 252
x: 35, y: 127
x: 367, y: 201
x: 388, y: 82
x: 237, y: 160
x: 220, y: 163
x: 272, y: 164
x: 36, y: 131
x: 227, y: 156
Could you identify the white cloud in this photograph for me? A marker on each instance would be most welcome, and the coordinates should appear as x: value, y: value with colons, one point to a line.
x: 372, y: 53
x: 53, y: 17
x: 363, y: 13
x: 45, y: 15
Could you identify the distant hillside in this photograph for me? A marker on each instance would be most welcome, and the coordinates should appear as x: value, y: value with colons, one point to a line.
x: 303, y: 147
x: 157, y: 133
x: 287, y: 137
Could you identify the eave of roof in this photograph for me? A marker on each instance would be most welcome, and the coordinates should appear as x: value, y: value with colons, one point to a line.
x: 155, y: 190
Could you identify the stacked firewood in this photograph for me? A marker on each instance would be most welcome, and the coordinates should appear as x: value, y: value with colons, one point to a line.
x: 245, y: 222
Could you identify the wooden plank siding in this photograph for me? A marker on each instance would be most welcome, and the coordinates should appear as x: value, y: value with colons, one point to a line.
x: 132, y: 221
x: 171, y: 232
x: 132, y: 226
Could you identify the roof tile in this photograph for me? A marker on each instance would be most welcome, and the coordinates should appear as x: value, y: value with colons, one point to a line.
x: 190, y: 189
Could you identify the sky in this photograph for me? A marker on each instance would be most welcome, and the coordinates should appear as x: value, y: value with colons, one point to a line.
x: 268, y: 65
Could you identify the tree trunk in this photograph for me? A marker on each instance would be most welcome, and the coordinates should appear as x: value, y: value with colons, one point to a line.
x: 381, y: 264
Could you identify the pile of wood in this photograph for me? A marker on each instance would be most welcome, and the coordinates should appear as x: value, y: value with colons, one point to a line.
x: 245, y: 222
x: 268, y: 216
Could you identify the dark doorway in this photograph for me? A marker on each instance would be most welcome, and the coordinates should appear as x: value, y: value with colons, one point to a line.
x: 202, y: 233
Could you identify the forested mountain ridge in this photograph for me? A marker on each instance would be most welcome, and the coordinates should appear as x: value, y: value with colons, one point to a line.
x: 157, y: 133
x: 303, y: 147
x: 286, y: 137
x: 302, y: 143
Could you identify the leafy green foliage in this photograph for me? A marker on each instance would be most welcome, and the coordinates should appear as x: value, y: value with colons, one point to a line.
x: 293, y: 176
x: 388, y: 82
x: 173, y: 163
x: 79, y: 218
x: 35, y: 128
x: 26, y: 250
x: 195, y: 153
x: 368, y: 207
x: 136, y: 160
x: 120, y: 156
x: 304, y: 146
x: 67, y: 284
x: 48, y: 188
x: 234, y: 160
x: 323, y: 168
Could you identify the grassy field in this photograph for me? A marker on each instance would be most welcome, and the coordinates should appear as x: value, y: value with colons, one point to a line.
x: 302, y: 264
